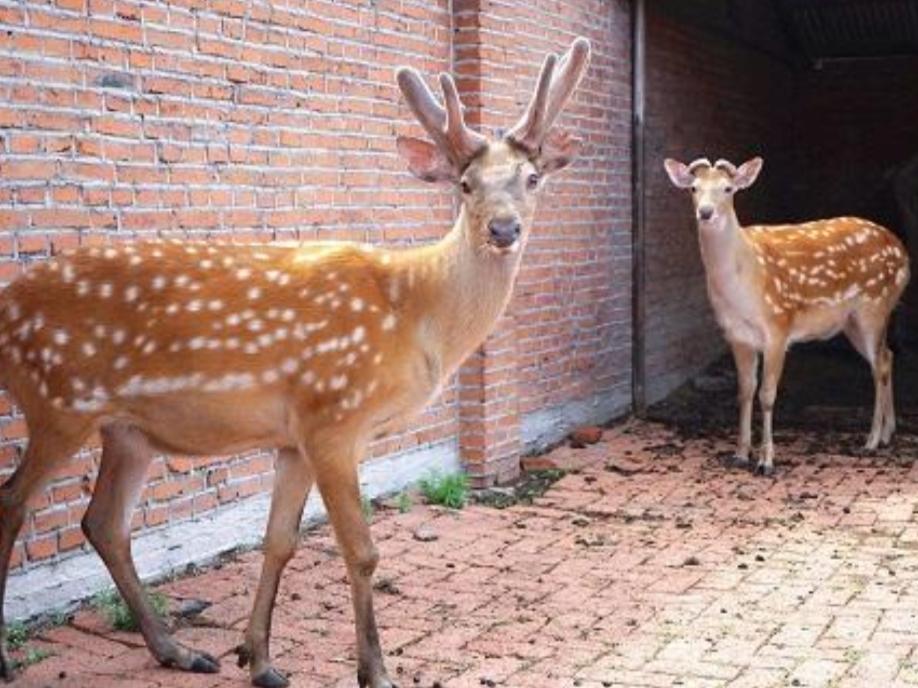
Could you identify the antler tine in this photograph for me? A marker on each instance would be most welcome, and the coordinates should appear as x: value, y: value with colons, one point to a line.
x: 557, y: 82
x: 446, y: 126
x: 429, y: 113
x: 570, y: 70
x: 699, y: 163
x: 532, y: 119
x: 465, y: 142
x: 726, y: 166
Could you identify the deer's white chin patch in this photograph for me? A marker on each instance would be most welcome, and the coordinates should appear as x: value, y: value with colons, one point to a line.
x: 504, y: 250
x: 712, y: 225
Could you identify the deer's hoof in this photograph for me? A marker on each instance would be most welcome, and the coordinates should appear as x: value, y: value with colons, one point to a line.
x: 7, y: 674
x: 204, y: 663
x: 765, y: 470
x: 380, y: 682
x: 736, y: 461
x: 243, y: 655
x: 270, y: 678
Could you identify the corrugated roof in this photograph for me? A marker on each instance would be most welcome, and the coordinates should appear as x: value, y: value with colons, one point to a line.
x: 824, y: 29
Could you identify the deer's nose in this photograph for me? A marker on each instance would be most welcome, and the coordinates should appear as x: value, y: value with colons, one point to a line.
x: 504, y: 231
x: 705, y: 212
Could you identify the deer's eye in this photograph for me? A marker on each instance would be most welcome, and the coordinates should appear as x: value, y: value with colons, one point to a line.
x: 532, y: 181
x: 728, y: 189
x: 465, y: 186
x: 694, y: 188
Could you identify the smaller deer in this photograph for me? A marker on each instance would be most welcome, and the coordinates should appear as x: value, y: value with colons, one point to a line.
x: 771, y: 286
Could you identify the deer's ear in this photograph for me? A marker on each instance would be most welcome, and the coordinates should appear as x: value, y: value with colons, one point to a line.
x: 425, y: 160
x: 679, y: 173
x: 747, y: 173
x: 558, y: 150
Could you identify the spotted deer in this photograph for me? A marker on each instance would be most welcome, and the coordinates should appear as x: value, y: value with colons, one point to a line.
x: 773, y: 285
x: 312, y: 350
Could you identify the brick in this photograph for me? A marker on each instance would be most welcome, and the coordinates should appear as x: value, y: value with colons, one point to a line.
x: 42, y: 548
x: 54, y: 519
x: 29, y: 169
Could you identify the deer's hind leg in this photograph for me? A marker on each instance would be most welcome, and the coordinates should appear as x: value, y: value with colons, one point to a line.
x: 866, y: 330
x: 126, y: 456
x: 52, y: 440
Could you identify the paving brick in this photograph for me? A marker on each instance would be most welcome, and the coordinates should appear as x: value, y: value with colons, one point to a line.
x: 772, y: 601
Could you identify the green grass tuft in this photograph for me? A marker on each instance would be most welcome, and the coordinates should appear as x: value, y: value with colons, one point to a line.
x: 32, y: 656
x: 119, y: 615
x: 451, y: 491
x: 403, y: 502
x: 17, y: 633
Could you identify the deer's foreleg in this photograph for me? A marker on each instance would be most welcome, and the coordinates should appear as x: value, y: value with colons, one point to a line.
x: 292, y: 482
x: 336, y: 475
x: 746, y: 359
x: 772, y: 367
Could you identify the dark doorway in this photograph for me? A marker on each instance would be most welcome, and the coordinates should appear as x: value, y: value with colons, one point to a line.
x: 825, y: 91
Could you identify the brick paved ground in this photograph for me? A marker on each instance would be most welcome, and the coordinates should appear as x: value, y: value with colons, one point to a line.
x: 648, y: 564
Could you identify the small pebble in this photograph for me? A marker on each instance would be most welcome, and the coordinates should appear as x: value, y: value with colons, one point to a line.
x: 424, y: 533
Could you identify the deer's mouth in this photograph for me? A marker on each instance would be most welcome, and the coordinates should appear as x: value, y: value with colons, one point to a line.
x: 503, y: 246
x: 508, y: 245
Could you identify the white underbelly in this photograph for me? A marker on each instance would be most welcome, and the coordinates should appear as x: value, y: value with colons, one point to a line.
x: 819, y: 323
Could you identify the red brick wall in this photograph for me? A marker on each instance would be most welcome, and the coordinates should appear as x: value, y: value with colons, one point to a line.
x: 706, y: 96
x: 566, y: 337
x: 239, y: 121
x: 573, y: 300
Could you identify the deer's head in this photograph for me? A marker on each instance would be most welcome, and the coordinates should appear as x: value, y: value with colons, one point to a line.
x: 712, y: 186
x: 498, y: 180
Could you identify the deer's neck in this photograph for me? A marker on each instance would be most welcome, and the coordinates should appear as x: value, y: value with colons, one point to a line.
x: 465, y: 290
x: 729, y: 258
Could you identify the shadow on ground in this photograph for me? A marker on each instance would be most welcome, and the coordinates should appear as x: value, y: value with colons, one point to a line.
x: 826, y: 391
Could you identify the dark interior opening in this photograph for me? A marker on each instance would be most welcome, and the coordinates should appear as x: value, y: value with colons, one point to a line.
x: 825, y: 91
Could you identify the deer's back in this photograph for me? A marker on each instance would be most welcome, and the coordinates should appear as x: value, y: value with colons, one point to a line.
x: 816, y: 275
x: 828, y: 262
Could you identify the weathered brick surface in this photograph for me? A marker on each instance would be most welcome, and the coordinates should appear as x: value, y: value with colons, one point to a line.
x: 254, y: 121
x: 676, y: 573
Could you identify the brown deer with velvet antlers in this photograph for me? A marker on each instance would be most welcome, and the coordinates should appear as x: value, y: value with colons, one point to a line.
x: 771, y: 286
x: 312, y: 350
